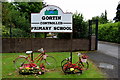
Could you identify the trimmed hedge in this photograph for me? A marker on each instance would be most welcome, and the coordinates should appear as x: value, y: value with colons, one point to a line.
x: 109, y: 32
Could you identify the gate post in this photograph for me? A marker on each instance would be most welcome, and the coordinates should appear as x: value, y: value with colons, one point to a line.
x: 96, y: 33
x: 90, y: 30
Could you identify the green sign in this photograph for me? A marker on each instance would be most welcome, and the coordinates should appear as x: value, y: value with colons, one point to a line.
x: 51, y: 12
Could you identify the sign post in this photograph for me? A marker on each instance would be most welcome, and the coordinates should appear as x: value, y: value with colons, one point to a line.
x: 71, y: 47
x: 52, y: 19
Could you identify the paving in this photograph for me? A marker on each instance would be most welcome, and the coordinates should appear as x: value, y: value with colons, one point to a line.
x: 106, y: 59
x: 108, y: 48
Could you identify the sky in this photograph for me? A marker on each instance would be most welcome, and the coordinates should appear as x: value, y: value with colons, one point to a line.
x: 89, y: 8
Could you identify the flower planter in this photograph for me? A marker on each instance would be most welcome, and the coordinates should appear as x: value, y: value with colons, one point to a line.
x: 31, y: 68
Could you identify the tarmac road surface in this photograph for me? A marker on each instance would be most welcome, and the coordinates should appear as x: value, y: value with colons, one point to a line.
x: 106, y: 59
x: 108, y: 48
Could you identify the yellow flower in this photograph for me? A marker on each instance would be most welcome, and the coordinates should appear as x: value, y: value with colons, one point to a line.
x: 71, y: 69
x: 22, y: 70
x: 27, y: 68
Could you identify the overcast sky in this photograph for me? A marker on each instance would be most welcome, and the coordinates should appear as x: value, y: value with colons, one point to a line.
x: 89, y: 8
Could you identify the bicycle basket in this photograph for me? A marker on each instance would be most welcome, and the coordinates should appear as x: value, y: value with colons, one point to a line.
x: 41, y: 50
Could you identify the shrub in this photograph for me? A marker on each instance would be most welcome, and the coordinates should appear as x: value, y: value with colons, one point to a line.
x: 109, y: 32
x: 16, y: 32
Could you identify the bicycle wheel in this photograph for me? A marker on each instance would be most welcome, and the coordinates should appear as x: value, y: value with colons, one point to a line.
x: 65, y: 66
x: 84, y: 65
x: 49, y: 63
x: 68, y: 70
x: 18, y: 62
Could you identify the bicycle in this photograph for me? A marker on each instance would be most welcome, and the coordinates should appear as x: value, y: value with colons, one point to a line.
x: 48, y: 61
x: 78, y: 67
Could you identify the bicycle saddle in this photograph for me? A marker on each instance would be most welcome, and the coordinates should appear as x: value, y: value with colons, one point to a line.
x: 29, y: 52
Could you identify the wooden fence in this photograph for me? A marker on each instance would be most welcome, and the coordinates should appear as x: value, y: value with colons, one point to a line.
x: 50, y: 45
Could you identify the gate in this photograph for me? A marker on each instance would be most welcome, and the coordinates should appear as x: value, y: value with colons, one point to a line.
x: 93, y: 35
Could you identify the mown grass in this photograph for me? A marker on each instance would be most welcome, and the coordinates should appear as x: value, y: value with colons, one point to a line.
x: 8, y: 70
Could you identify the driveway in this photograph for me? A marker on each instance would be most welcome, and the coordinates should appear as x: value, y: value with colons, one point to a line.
x: 106, y: 58
x: 108, y: 48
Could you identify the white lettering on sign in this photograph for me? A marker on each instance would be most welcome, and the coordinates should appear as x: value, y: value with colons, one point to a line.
x: 51, y: 19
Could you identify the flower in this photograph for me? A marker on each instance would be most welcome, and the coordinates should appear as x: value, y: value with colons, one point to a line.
x: 22, y: 70
x: 20, y: 67
x: 71, y: 69
x: 30, y: 69
x: 43, y: 68
x: 40, y: 72
x: 37, y: 67
x: 27, y: 68
x: 33, y: 65
x: 84, y: 56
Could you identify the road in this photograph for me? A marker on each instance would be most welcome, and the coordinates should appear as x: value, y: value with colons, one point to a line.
x: 106, y: 58
x: 108, y: 48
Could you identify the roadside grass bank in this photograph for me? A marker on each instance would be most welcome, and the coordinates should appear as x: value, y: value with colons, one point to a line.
x: 9, y: 71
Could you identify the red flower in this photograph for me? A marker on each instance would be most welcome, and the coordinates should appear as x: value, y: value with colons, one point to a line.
x: 84, y: 56
x: 33, y: 65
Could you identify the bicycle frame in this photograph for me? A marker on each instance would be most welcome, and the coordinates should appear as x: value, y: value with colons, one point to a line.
x: 39, y: 59
x: 36, y: 60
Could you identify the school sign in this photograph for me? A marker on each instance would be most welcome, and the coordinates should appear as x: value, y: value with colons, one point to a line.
x: 51, y: 19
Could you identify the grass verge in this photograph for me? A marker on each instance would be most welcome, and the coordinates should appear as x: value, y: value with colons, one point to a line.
x: 8, y: 70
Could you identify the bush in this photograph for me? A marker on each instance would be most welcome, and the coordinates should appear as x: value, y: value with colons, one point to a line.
x: 80, y: 28
x: 109, y: 32
x: 16, y: 32
x: 5, y: 31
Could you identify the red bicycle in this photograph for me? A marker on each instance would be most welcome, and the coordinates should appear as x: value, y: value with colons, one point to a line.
x: 78, y: 67
x: 42, y: 58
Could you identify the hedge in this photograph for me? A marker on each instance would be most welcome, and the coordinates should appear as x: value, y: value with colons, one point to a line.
x: 109, y: 32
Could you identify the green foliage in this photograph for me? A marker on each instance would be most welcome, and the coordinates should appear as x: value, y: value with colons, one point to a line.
x: 117, y: 18
x: 19, y: 21
x: 19, y: 33
x: 5, y: 31
x: 5, y: 13
x: 18, y: 15
x: 109, y: 32
x: 16, y: 32
x: 102, y: 19
x: 79, y: 28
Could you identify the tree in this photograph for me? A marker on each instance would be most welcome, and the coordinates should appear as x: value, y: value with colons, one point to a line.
x: 79, y: 28
x: 28, y: 7
x: 18, y: 14
x: 102, y: 19
x: 5, y: 13
x: 117, y: 18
